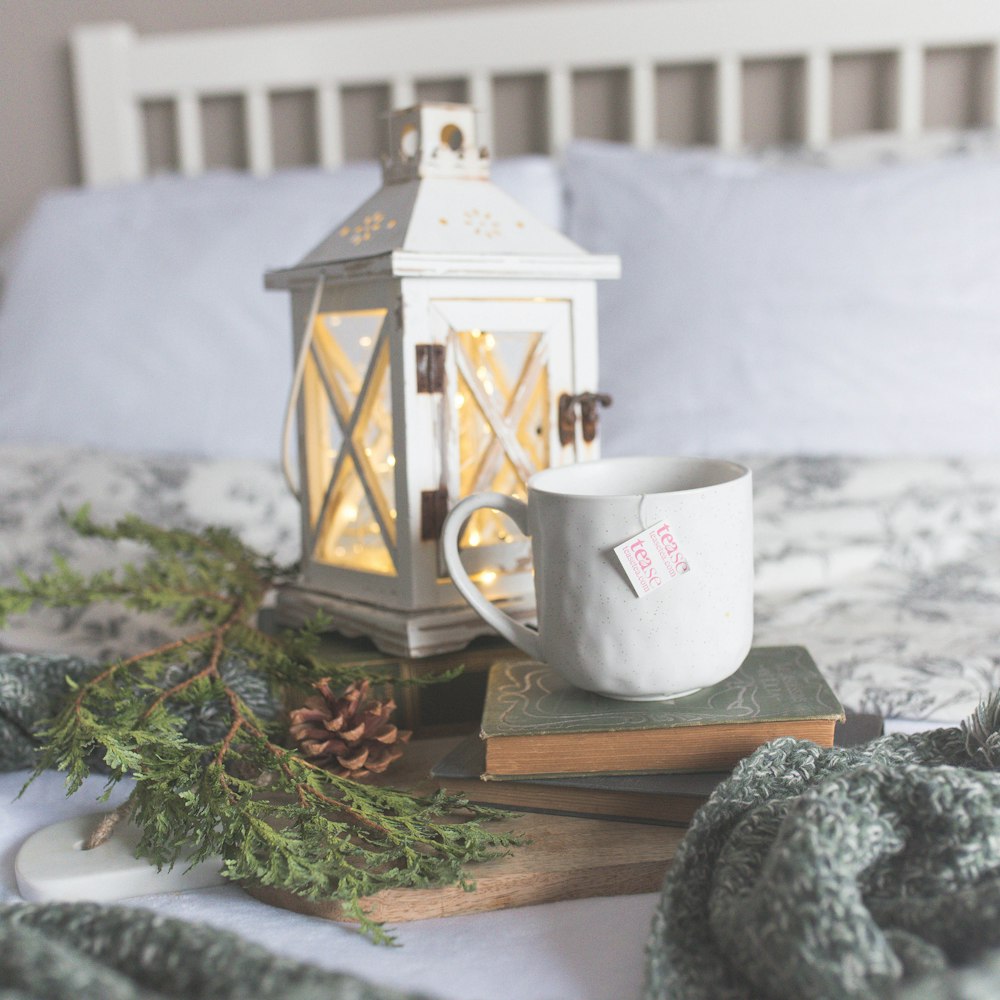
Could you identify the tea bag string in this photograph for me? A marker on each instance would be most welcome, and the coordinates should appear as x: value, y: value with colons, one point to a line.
x: 642, y: 507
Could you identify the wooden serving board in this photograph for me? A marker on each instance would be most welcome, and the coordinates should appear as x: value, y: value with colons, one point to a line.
x: 567, y: 858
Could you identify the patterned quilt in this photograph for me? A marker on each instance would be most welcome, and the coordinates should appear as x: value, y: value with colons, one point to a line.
x: 887, y: 570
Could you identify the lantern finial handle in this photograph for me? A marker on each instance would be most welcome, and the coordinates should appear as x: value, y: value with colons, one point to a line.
x: 295, y: 391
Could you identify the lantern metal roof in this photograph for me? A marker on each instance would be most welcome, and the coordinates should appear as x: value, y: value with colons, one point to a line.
x: 438, y: 213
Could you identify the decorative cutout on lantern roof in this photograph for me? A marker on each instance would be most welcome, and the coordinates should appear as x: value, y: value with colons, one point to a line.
x: 438, y: 213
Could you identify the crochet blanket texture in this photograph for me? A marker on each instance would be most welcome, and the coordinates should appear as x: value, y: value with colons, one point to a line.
x: 867, y: 872
x: 846, y: 874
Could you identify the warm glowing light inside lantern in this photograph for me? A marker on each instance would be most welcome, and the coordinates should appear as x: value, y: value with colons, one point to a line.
x: 501, y: 409
x: 351, y: 496
x: 502, y: 406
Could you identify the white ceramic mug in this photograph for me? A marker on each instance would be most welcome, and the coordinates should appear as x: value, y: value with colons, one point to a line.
x: 692, y: 630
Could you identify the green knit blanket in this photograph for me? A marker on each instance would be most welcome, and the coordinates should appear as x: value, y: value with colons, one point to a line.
x: 867, y: 872
x: 840, y: 873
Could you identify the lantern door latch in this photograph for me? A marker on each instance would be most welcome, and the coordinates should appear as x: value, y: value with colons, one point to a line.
x: 433, y: 511
x: 587, y: 403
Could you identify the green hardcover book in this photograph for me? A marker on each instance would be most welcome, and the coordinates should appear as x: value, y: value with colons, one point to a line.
x: 535, y: 723
x: 667, y: 799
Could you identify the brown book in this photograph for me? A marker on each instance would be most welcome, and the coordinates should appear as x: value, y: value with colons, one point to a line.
x: 537, y: 724
x: 668, y: 799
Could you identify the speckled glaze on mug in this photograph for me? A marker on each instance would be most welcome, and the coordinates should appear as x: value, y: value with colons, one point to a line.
x: 690, y: 633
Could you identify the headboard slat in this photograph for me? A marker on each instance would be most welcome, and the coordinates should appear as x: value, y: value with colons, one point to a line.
x: 190, y: 148
x: 257, y: 115
x: 404, y: 92
x: 819, y: 99
x: 329, y: 126
x: 642, y: 95
x: 729, y: 107
x: 911, y: 90
x: 480, y: 95
x: 559, y: 88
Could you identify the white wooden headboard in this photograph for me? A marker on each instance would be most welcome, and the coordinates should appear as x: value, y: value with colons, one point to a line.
x: 116, y: 70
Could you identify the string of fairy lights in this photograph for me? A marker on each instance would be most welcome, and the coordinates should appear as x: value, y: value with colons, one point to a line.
x: 352, y: 495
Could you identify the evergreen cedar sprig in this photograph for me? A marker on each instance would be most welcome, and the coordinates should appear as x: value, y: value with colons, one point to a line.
x: 231, y: 788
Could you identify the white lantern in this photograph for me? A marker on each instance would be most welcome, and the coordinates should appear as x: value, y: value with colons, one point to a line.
x: 446, y: 341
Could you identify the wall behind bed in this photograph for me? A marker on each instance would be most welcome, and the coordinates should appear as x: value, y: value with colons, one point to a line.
x: 38, y: 146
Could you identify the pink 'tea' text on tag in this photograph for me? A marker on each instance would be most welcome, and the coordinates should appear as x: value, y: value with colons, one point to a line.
x: 651, y: 558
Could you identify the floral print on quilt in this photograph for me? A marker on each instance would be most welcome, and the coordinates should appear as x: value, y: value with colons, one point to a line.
x: 888, y: 570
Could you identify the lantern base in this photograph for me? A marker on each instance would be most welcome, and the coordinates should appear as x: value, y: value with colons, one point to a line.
x: 413, y: 634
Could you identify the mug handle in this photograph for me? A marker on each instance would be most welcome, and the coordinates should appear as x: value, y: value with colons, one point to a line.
x: 513, y: 631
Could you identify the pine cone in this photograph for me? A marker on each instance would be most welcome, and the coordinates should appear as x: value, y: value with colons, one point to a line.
x: 349, y: 734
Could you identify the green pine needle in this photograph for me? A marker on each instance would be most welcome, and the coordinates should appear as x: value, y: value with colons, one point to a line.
x: 232, y: 788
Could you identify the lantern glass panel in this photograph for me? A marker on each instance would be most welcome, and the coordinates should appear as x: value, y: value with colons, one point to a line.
x: 504, y: 409
x: 349, y: 446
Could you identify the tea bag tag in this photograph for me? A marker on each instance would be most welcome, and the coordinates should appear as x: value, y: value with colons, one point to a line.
x: 652, y: 558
